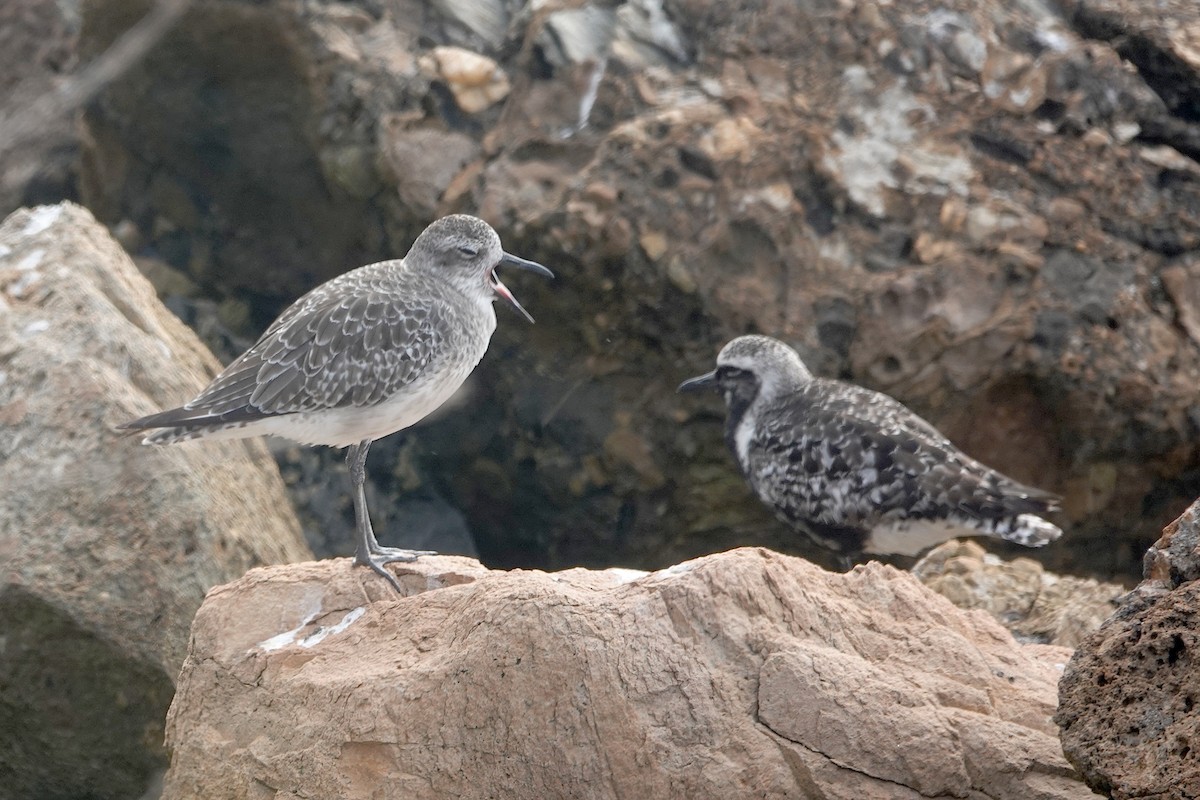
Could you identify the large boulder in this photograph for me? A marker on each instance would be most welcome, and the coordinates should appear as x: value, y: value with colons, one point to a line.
x: 987, y: 209
x: 107, y: 547
x: 1127, y: 699
x: 743, y: 674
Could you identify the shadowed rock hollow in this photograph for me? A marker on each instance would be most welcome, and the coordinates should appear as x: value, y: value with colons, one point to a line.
x: 984, y: 209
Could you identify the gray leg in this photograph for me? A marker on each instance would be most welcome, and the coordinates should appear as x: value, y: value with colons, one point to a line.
x: 367, y: 551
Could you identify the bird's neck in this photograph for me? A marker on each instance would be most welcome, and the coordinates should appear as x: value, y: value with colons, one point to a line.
x: 472, y: 291
x: 745, y: 407
x: 739, y: 422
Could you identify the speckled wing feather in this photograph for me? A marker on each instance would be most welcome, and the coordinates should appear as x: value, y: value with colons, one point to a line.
x: 841, y: 456
x: 349, y: 342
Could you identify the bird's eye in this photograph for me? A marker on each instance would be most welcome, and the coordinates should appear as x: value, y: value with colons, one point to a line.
x: 729, y: 373
x: 468, y: 251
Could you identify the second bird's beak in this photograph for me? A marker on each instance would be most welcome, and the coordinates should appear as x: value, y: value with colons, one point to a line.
x: 699, y: 383
x: 509, y: 260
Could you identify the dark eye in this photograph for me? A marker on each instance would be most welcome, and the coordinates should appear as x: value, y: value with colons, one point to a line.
x: 730, y: 373
x: 468, y: 251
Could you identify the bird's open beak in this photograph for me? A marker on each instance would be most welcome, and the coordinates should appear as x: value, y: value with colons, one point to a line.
x: 509, y: 260
x: 699, y: 383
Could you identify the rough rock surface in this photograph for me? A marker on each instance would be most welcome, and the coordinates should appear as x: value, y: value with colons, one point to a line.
x: 1127, y: 701
x: 1036, y: 605
x: 743, y: 674
x: 106, y: 547
x: 989, y: 209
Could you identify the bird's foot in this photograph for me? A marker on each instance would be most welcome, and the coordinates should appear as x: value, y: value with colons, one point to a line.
x: 390, y: 554
x: 377, y: 567
x: 377, y: 556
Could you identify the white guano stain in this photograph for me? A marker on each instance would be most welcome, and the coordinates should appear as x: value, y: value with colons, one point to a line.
x: 625, y: 575
x: 282, y: 640
x: 322, y: 632
x: 674, y: 570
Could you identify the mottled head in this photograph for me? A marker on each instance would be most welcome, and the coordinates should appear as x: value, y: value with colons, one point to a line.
x: 752, y: 367
x: 466, y: 251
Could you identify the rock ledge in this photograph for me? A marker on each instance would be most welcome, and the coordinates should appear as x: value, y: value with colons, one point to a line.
x: 742, y: 674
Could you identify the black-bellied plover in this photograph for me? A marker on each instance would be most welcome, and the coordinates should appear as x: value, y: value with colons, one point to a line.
x: 854, y: 469
x: 364, y: 355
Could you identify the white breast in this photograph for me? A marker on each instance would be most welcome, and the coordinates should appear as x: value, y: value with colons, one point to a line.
x: 743, y: 436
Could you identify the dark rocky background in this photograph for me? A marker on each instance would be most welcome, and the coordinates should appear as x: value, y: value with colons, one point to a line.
x: 989, y: 211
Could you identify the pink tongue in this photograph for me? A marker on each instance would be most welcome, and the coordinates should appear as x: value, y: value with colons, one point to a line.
x: 503, y: 291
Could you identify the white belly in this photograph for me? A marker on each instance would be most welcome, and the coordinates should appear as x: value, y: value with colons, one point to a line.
x: 913, y: 537
x: 462, y: 348
x: 340, y: 427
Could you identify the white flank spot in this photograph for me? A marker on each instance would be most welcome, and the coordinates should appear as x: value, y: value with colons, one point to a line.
x: 316, y: 637
x: 4, y: 250
x: 35, y: 327
x: 287, y: 637
x: 41, y: 218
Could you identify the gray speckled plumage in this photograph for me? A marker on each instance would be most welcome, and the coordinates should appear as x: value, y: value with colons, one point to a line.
x: 353, y: 342
x: 364, y: 355
x: 854, y: 469
x: 359, y: 356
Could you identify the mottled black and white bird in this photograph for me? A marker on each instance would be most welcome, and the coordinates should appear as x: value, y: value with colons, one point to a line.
x: 854, y: 469
x: 364, y: 355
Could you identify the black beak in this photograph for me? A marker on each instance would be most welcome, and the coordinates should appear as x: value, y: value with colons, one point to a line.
x: 509, y: 260
x: 699, y: 383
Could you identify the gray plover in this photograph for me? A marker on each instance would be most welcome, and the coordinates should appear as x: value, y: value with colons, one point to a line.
x: 854, y: 469
x: 364, y: 355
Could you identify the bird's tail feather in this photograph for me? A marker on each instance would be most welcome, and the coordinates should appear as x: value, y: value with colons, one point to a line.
x: 1030, y: 530
x: 167, y: 419
x: 184, y: 424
